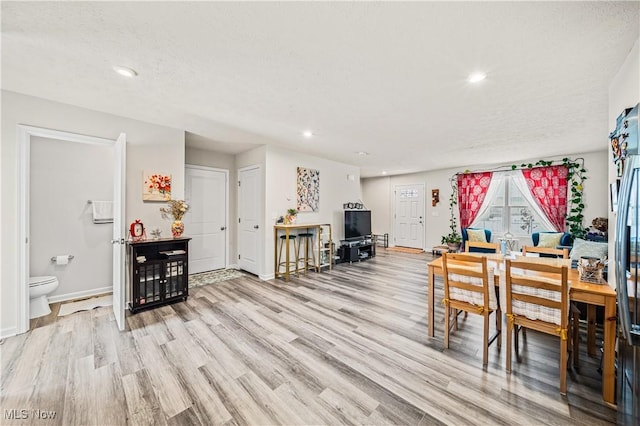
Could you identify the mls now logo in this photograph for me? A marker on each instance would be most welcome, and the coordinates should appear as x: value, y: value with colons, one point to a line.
x: 16, y: 414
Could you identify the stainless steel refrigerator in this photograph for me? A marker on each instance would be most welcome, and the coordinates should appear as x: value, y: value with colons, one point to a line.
x: 627, y: 251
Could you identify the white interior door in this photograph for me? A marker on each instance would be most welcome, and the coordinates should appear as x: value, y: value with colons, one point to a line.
x: 206, y: 190
x: 249, y: 214
x: 119, y: 282
x: 409, y: 216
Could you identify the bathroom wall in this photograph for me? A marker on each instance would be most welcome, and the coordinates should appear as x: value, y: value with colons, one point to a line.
x: 149, y: 147
x: 63, y: 177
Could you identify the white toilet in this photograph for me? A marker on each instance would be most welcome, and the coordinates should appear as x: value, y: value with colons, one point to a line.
x: 39, y: 288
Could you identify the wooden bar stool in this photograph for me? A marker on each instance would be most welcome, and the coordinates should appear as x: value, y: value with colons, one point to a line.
x: 308, y: 238
x: 296, y: 248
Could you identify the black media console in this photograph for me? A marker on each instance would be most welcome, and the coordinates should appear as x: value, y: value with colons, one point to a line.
x: 357, y: 250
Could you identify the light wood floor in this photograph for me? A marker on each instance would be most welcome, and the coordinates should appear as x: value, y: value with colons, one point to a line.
x: 348, y: 346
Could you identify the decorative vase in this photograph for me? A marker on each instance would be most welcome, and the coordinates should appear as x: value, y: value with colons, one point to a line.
x: 453, y: 247
x: 177, y: 228
x: 292, y: 218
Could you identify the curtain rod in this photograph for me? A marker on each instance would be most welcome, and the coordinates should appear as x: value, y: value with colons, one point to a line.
x: 509, y: 168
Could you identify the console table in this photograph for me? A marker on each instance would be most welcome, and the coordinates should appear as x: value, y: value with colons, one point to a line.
x: 323, y: 236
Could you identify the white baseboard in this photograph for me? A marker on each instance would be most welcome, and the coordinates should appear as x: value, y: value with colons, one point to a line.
x: 266, y: 277
x: 80, y: 294
x: 8, y: 332
x: 234, y: 266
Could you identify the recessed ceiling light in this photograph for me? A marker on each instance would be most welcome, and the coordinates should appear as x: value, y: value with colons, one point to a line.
x: 125, y: 71
x: 362, y: 153
x: 307, y: 134
x: 477, y: 77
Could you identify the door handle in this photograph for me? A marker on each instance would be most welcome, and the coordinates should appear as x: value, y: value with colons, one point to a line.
x: 255, y: 227
x: 222, y: 228
x: 120, y: 241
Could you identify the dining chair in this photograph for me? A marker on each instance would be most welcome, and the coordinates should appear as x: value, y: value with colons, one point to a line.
x: 478, y: 246
x: 574, y: 312
x: 537, y: 297
x: 469, y: 287
x: 560, y: 253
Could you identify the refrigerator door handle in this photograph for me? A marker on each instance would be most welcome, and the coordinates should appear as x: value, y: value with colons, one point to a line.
x: 621, y: 250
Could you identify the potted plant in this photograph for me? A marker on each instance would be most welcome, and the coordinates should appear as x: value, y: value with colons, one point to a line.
x: 453, y: 239
x: 290, y: 217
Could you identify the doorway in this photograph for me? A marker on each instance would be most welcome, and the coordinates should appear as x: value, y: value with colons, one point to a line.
x: 25, y: 136
x: 206, y: 190
x: 249, y: 218
x: 409, y: 216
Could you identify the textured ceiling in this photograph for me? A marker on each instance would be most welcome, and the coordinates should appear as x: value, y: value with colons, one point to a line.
x: 386, y: 78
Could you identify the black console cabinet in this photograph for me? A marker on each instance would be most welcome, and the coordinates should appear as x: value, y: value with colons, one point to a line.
x: 158, y: 272
x: 355, y: 251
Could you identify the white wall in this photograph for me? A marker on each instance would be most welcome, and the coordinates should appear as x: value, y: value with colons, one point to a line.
x: 219, y: 160
x: 280, y: 184
x: 63, y: 176
x: 149, y: 147
x: 378, y: 192
x: 624, y: 92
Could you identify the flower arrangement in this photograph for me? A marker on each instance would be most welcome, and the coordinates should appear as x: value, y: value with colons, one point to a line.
x: 177, y: 209
x: 157, y: 187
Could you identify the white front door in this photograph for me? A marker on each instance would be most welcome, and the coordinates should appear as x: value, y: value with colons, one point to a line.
x: 206, y: 222
x: 409, y: 216
x: 119, y: 281
x: 249, y: 219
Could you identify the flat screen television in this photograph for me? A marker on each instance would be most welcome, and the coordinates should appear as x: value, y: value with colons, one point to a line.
x: 357, y: 224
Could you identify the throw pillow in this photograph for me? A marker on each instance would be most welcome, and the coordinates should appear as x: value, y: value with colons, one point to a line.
x: 550, y: 239
x: 476, y: 235
x: 582, y: 248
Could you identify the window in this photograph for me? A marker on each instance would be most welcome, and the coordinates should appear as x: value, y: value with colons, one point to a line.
x: 509, y: 211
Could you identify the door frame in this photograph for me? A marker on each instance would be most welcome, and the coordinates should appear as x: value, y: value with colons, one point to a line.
x: 424, y: 211
x: 226, y: 203
x: 25, y: 133
x: 261, y: 233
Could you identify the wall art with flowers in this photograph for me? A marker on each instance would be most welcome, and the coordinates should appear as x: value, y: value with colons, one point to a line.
x: 156, y: 186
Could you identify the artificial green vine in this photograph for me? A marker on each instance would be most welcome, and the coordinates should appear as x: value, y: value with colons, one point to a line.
x: 576, y: 178
x: 453, y: 237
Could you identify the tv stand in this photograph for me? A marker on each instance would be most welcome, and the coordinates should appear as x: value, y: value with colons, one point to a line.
x: 357, y: 250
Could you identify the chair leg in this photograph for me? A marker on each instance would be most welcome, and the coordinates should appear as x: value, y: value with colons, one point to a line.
x: 509, y: 338
x: 499, y: 326
x: 447, y: 319
x: 575, y: 337
x: 485, y: 343
x: 591, y: 330
x: 563, y: 365
x: 516, y: 330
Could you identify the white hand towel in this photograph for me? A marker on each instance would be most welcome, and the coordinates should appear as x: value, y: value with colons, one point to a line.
x: 102, y: 211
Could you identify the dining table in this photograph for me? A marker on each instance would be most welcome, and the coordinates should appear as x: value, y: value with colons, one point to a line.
x: 593, y: 294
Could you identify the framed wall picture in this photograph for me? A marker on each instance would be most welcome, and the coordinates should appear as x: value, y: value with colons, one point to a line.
x: 156, y: 186
x: 308, y: 190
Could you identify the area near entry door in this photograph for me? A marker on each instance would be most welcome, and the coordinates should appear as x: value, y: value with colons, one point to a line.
x: 206, y: 192
x: 409, y: 216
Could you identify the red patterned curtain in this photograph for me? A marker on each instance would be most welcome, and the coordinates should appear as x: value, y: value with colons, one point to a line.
x: 548, y: 185
x: 472, y: 189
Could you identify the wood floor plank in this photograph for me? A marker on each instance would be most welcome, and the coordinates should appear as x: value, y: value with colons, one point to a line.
x: 142, y: 404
